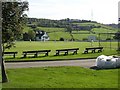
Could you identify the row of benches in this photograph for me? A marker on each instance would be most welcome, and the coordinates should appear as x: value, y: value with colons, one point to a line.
x: 46, y: 52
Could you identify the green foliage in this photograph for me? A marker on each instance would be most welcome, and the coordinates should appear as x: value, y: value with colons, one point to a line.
x: 61, y: 77
x: 31, y: 34
x: 26, y: 29
x: 61, y: 39
x: 69, y: 29
x: 13, y: 21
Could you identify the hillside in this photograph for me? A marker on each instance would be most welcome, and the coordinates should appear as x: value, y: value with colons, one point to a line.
x: 80, y: 29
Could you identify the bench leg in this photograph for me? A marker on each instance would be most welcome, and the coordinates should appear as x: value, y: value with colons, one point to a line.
x: 99, y: 51
x: 24, y: 55
x: 57, y: 53
x: 93, y: 51
x: 75, y: 52
x: 14, y: 55
x: 46, y: 54
x: 86, y: 51
x: 66, y: 53
x: 35, y: 55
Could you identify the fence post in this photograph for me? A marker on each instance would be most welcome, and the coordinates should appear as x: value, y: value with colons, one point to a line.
x: 99, y: 39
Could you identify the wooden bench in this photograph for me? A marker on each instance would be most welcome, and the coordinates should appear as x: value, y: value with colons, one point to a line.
x: 65, y: 51
x: 10, y: 53
x: 35, y: 53
x: 93, y: 49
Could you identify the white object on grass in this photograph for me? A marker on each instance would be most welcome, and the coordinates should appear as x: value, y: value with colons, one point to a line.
x: 104, y: 62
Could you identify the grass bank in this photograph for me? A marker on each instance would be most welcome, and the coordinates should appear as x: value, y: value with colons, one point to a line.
x: 61, y: 77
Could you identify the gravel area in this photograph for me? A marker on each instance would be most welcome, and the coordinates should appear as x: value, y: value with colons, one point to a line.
x: 82, y: 63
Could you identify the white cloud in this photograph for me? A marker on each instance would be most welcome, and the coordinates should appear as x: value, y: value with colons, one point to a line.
x: 104, y: 11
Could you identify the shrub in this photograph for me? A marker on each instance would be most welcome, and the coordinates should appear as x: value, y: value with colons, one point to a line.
x: 61, y: 39
x: 108, y: 38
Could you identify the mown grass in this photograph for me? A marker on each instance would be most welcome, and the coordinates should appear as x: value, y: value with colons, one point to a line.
x: 54, y: 45
x: 50, y: 29
x: 81, y: 32
x: 58, y: 35
x: 61, y: 77
x: 83, y: 36
x: 103, y: 30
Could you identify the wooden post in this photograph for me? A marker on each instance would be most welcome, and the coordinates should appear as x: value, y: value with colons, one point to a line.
x: 99, y: 39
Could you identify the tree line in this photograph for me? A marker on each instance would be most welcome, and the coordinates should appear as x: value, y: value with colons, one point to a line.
x: 63, y: 23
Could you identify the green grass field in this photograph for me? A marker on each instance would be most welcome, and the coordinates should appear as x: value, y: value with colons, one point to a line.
x: 82, y: 36
x: 49, y: 29
x: 103, y: 30
x: 61, y: 77
x: 58, y: 35
x: 54, y: 45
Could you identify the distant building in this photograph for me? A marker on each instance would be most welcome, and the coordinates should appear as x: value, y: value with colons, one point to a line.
x: 91, y: 38
x: 41, y: 35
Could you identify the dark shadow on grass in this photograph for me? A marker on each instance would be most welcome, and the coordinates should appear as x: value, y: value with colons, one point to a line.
x: 96, y: 68
x: 65, y: 55
x: 32, y: 57
x: 9, y: 58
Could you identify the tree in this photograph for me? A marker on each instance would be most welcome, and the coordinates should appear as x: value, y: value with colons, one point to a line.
x: 31, y: 34
x: 69, y: 29
x: 13, y: 20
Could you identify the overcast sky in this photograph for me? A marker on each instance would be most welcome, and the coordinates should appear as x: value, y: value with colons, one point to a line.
x: 103, y: 11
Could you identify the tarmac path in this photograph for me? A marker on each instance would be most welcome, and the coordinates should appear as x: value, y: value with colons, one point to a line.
x: 82, y: 63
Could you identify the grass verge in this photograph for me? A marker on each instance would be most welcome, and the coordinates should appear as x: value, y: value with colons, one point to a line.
x: 61, y: 77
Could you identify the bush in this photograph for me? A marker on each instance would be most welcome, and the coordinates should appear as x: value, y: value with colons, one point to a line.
x: 108, y: 38
x: 61, y: 39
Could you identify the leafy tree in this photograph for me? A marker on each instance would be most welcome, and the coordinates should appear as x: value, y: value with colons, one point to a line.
x: 26, y: 37
x: 13, y: 19
x: 69, y: 29
x: 31, y: 34
x: 117, y: 36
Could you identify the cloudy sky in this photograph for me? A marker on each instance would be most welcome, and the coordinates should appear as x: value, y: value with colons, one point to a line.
x: 103, y: 11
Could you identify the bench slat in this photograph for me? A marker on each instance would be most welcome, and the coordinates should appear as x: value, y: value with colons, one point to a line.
x: 10, y: 53
x: 25, y: 53
x: 65, y: 51
x: 93, y: 49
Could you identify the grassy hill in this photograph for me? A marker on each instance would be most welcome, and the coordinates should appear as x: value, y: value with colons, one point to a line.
x: 55, y: 33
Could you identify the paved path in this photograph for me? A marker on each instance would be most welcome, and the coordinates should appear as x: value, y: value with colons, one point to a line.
x: 83, y: 63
